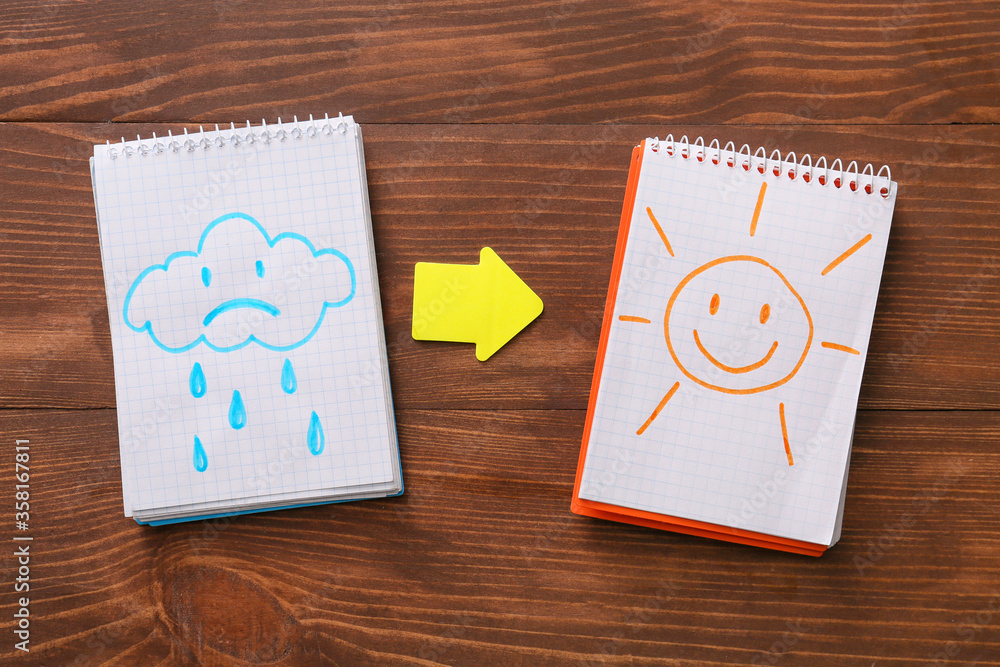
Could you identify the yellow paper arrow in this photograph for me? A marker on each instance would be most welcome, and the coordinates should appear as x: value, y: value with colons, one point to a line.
x: 486, y: 303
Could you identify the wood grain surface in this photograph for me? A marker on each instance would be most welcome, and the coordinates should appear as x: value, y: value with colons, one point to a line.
x: 481, y: 563
x: 556, y: 61
x: 510, y: 124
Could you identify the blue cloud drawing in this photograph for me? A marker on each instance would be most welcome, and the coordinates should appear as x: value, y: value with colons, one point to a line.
x: 239, y: 286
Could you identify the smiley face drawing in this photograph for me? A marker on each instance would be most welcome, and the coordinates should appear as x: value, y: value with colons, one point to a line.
x: 695, y: 327
x: 738, y: 326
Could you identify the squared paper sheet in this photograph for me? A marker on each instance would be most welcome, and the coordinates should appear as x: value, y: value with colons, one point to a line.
x: 715, y: 451
x: 305, y: 196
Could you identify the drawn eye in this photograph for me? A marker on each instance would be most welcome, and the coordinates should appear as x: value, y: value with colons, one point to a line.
x: 713, y: 307
x: 206, y: 276
x: 260, y: 269
x: 765, y: 312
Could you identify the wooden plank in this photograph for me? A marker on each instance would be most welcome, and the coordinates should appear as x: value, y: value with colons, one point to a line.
x: 481, y: 562
x: 555, y: 61
x: 548, y: 201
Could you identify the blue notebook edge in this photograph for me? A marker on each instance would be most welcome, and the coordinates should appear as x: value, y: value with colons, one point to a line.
x: 205, y: 517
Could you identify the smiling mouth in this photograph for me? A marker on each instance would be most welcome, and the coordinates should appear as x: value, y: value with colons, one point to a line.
x: 734, y: 369
x: 234, y: 304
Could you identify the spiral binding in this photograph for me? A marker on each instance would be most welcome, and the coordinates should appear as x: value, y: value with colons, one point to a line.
x: 232, y: 137
x: 790, y: 165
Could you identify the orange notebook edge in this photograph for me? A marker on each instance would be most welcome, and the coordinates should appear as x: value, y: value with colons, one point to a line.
x: 639, y: 517
x: 631, y: 188
x: 707, y: 530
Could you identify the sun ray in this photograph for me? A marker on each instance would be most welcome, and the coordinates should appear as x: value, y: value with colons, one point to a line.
x: 784, y: 434
x: 838, y: 346
x: 659, y: 407
x: 756, y: 211
x: 847, y: 253
x: 633, y: 318
x: 659, y: 230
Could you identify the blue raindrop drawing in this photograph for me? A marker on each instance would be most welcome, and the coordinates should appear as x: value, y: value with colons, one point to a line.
x: 197, y: 381
x: 315, y: 438
x: 237, y: 412
x: 200, y: 458
x: 288, y: 382
x: 209, y: 294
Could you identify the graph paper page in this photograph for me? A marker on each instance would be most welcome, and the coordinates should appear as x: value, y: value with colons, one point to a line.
x: 736, y: 350
x: 243, y: 318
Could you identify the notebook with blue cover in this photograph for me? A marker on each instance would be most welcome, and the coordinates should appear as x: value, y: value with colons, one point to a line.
x: 250, y: 362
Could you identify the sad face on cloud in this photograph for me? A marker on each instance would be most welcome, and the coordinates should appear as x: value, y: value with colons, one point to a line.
x: 240, y: 286
x: 239, y: 274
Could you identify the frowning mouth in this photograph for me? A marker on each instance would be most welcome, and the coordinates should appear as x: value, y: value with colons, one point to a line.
x: 233, y: 304
x: 734, y: 369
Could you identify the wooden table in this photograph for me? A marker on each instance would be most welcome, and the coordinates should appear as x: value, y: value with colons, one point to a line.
x: 510, y: 124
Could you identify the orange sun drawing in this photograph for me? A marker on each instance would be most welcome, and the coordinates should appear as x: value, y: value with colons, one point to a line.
x: 699, y: 301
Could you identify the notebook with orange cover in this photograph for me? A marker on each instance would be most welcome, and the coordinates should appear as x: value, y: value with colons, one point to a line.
x: 733, y: 344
